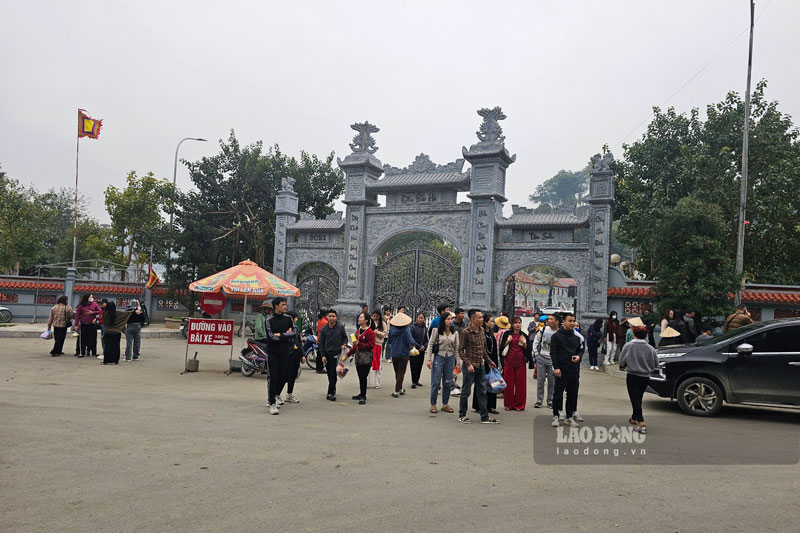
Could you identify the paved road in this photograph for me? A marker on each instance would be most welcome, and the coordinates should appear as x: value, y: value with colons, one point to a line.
x: 139, y: 447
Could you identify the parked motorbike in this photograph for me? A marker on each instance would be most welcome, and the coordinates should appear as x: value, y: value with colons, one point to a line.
x: 310, y: 348
x: 254, y: 359
x: 5, y: 314
x: 185, y: 321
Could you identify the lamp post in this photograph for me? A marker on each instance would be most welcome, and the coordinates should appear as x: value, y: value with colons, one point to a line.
x: 174, y: 185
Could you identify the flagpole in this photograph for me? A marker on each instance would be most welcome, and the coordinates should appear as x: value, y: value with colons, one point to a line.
x: 75, y: 214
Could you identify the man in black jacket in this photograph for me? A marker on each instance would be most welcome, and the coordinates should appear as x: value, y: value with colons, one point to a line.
x: 565, y: 350
x: 281, y: 334
x: 332, y: 340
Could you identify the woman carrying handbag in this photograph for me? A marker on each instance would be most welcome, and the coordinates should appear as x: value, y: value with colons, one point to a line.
x: 363, y: 349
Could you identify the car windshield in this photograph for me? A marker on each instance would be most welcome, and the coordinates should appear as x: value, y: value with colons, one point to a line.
x: 728, y: 334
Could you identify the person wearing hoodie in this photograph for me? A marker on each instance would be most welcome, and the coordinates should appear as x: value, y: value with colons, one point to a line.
x: 400, y: 341
x: 565, y: 350
x: 639, y: 360
x: 544, y: 364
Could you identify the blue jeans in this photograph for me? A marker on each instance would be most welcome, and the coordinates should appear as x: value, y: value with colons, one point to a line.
x: 133, y: 340
x: 442, y: 376
x: 478, y: 377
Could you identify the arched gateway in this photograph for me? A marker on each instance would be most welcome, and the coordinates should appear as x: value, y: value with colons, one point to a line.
x: 422, y: 197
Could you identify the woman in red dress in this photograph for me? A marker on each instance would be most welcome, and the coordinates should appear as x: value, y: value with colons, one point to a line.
x: 516, y: 340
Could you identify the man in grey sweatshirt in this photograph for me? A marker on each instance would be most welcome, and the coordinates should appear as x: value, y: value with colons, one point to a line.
x: 639, y: 360
x: 544, y: 364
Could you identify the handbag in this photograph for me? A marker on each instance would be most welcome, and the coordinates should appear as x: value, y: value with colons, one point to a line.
x: 435, y: 347
x: 364, y: 357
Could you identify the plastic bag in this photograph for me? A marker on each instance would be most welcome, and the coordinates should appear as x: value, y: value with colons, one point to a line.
x: 342, y: 370
x: 47, y: 334
x: 495, y: 381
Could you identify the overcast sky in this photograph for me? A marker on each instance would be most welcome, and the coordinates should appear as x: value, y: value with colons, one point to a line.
x: 570, y: 75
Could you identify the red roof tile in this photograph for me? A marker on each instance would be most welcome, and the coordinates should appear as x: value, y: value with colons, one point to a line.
x: 763, y: 297
x: 31, y: 285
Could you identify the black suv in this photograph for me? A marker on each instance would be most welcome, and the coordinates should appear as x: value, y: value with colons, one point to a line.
x: 759, y: 363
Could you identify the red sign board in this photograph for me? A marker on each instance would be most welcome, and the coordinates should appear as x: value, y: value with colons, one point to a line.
x: 210, y: 332
x: 212, y: 302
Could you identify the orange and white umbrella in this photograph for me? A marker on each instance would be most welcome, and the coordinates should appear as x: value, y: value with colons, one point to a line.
x: 246, y: 278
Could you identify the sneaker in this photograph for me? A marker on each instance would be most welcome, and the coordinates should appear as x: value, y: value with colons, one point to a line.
x: 378, y: 386
x: 556, y: 422
x: 433, y: 409
x: 490, y: 421
x: 402, y: 391
x: 576, y: 416
x: 291, y: 399
x: 642, y: 429
x: 571, y: 422
x: 279, y: 400
x: 549, y: 405
x: 99, y: 356
x: 395, y: 395
x: 135, y: 358
x: 464, y: 420
x: 455, y: 392
x: 537, y: 405
x: 273, y: 409
x: 418, y: 385
x: 413, y: 385
x: 357, y: 397
x: 79, y: 355
x: 126, y: 360
x: 362, y: 401
x: 447, y: 409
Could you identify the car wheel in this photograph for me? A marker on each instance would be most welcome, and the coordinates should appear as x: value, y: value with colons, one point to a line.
x: 700, y: 397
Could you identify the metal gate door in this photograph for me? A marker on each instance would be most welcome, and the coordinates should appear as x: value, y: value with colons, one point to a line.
x: 319, y: 289
x: 418, y: 279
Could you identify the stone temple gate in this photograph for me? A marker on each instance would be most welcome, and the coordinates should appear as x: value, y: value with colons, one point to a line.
x: 423, y: 197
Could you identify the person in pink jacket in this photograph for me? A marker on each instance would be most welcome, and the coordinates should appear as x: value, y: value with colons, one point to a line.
x: 86, y: 316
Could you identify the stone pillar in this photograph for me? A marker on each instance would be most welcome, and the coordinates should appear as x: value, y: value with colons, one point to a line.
x: 69, y: 286
x: 286, y: 211
x: 361, y: 168
x: 489, y: 159
x: 601, y: 197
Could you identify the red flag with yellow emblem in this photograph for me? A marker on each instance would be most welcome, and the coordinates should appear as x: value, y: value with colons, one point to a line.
x: 88, y: 126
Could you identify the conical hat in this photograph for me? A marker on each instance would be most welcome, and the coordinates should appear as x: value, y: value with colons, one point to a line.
x: 669, y: 333
x: 400, y: 320
x: 635, y: 322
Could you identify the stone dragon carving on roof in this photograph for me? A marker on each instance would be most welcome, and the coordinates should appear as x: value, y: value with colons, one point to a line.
x: 423, y: 164
x: 364, y: 141
x: 490, y: 129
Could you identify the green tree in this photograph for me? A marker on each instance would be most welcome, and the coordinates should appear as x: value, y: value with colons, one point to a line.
x: 231, y: 215
x: 697, y: 269
x: 681, y: 155
x: 21, y: 226
x: 136, y: 218
x: 564, y: 190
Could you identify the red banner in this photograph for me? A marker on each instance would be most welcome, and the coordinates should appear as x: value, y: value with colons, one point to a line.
x: 210, y: 331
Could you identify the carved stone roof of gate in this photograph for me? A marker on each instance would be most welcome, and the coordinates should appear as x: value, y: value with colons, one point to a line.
x: 549, y: 220
x: 423, y: 173
x: 315, y: 224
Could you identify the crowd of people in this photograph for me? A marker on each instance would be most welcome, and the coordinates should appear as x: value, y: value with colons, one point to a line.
x: 467, y: 343
x: 87, y: 319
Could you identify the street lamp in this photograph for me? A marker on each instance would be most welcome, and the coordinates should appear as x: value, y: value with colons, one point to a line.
x: 174, y: 185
